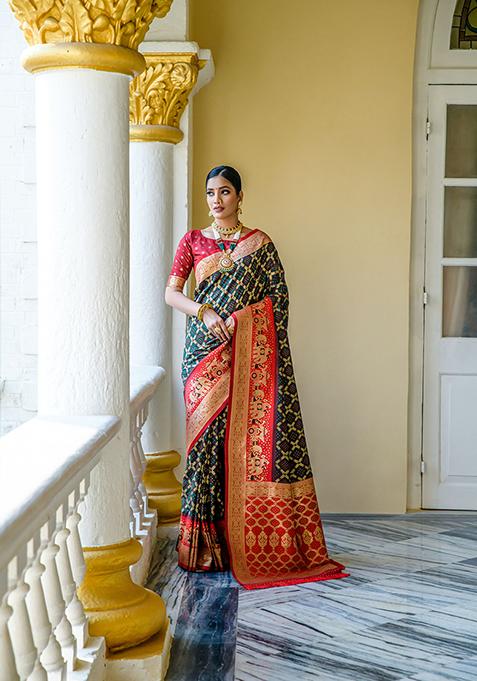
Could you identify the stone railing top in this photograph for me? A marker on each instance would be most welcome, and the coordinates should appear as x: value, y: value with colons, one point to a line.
x: 144, y: 381
x: 41, y: 463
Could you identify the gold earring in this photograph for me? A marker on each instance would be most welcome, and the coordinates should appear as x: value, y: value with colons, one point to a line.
x: 239, y: 208
x: 210, y: 213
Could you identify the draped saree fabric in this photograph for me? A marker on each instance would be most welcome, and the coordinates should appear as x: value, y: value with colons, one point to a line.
x: 248, y: 500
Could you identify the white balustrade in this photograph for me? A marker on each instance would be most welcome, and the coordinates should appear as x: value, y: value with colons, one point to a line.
x: 144, y: 381
x: 45, y: 466
x: 44, y: 477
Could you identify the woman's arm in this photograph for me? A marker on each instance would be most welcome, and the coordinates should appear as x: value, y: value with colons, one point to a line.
x: 214, y: 322
x: 176, y: 299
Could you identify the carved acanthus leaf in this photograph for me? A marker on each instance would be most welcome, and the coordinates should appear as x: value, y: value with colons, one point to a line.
x: 120, y: 22
x: 159, y: 95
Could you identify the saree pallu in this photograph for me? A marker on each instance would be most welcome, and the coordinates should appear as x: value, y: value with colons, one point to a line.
x: 248, y: 500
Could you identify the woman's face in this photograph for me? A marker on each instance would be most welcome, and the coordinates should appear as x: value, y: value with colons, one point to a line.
x: 222, y: 198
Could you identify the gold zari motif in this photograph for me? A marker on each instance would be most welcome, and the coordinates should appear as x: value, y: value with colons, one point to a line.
x: 176, y: 282
x: 122, y: 23
x: 281, y: 490
x: 286, y: 540
x: 259, y: 406
x: 250, y: 539
x: 207, y: 391
x: 211, y: 263
x: 214, y: 370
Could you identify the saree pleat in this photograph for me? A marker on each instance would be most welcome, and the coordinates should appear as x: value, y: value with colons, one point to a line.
x: 248, y: 501
x: 202, y: 544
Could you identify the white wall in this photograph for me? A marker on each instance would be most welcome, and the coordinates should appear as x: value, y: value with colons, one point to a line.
x: 18, y: 252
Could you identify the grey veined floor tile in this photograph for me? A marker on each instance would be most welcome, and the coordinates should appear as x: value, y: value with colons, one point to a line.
x: 461, y: 670
x: 204, y: 641
x: 407, y: 612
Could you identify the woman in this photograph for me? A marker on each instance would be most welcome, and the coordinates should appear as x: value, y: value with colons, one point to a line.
x: 248, y: 498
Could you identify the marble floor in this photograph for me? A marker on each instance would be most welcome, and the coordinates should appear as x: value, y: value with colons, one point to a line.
x: 407, y: 611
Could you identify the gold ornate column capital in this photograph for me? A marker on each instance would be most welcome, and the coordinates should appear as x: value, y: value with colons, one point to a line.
x: 97, y: 34
x: 159, y: 95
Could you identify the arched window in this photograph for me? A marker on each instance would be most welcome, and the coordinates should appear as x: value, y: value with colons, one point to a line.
x: 464, y: 26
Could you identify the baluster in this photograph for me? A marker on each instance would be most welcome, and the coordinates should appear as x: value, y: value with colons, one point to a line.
x: 140, y: 464
x: 49, y: 651
x: 135, y: 501
x: 135, y: 523
x: 8, y: 670
x: 140, y: 510
x: 132, y: 508
x: 54, y: 599
x: 75, y: 548
x: 148, y: 515
x: 79, y: 562
x: 74, y: 610
x: 19, y: 623
x: 67, y: 589
x: 132, y: 522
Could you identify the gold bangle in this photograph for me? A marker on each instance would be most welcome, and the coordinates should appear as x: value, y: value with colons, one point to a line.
x: 202, y: 309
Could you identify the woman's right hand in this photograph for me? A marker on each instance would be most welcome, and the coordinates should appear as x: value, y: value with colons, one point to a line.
x: 216, y: 325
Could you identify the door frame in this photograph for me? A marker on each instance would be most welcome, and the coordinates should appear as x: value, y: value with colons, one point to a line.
x: 434, y: 63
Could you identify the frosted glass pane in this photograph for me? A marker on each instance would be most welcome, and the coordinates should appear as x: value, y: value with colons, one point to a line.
x: 460, y: 222
x: 459, y: 303
x: 461, y: 140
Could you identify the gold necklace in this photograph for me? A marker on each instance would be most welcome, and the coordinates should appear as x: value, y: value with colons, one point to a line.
x: 227, y: 231
x: 225, y: 261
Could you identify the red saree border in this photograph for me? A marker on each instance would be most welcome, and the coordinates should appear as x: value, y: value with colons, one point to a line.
x: 206, y: 392
x: 201, y: 543
x: 249, y: 243
x: 274, y: 530
x: 236, y: 442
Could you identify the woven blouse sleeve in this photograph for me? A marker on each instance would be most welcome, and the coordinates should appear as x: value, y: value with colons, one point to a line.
x: 182, y: 265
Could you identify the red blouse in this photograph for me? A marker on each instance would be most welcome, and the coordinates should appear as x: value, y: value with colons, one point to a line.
x: 192, y: 248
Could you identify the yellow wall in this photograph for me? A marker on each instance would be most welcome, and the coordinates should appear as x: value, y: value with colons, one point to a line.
x: 312, y: 103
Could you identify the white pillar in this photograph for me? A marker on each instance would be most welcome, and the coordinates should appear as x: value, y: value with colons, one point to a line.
x: 151, y: 175
x: 82, y: 135
x: 172, y: 75
x: 83, y: 253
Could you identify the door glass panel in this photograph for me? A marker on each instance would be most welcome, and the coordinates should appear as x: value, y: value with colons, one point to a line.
x: 460, y: 222
x: 461, y: 141
x: 459, y: 302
